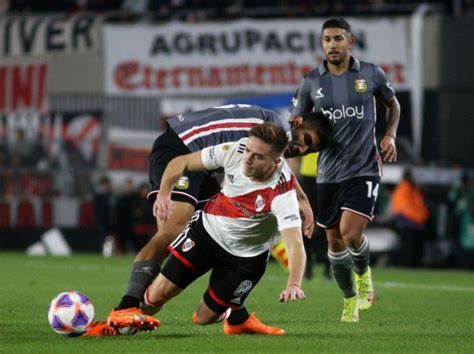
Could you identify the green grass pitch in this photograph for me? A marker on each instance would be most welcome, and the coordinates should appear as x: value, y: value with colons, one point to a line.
x: 423, y: 311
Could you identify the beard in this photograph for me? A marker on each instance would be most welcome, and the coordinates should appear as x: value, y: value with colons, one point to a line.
x: 336, y: 60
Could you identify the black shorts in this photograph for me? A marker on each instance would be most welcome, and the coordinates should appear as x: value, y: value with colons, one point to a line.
x: 358, y: 195
x: 193, y: 187
x: 194, y: 252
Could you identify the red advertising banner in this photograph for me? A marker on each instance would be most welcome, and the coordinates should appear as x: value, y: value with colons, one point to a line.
x: 238, y: 57
x: 24, y: 87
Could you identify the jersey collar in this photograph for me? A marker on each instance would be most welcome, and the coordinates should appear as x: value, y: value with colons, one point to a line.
x: 354, y: 66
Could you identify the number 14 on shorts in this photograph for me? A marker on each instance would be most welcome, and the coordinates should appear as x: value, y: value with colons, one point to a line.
x: 372, y: 191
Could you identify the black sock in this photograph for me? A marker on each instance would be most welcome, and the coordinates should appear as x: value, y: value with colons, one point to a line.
x: 238, y: 316
x: 127, y: 302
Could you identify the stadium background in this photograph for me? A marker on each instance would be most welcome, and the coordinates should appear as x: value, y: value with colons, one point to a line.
x: 85, y: 87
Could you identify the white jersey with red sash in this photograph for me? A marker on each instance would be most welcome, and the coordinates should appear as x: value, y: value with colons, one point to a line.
x: 245, y: 217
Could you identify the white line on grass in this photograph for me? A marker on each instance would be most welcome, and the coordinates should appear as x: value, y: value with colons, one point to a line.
x: 388, y: 285
x: 391, y: 284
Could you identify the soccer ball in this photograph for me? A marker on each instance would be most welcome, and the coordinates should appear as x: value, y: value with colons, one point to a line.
x: 70, y: 313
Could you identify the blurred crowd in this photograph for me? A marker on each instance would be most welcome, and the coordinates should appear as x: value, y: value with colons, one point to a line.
x: 202, y: 9
x: 28, y: 167
x: 430, y: 235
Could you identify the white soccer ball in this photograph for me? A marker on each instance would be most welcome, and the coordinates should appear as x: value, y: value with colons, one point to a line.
x: 70, y: 313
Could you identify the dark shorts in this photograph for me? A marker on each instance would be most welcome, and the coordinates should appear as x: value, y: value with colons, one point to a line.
x: 358, y: 195
x: 194, y: 252
x: 193, y: 187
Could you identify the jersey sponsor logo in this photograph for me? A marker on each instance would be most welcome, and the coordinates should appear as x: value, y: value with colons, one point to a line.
x: 212, y: 153
x: 294, y: 101
x: 180, y: 117
x: 183, y: 183
x: 187, y: 245
x: 344, y: 112
x: 292, y: 217
x: 259, y: 203
x: 360, y: 85
x: 245, y: 211
x: 319, y: 93
x: 231, y: 178
x: 243, y: 288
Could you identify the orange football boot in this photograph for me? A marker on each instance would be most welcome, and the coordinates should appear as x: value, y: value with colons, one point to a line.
x: 132, y: 317
x: 252, y: 326
x: 100, y: 329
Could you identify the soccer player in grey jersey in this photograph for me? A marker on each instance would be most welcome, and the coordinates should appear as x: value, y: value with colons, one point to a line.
x: 349, y: 171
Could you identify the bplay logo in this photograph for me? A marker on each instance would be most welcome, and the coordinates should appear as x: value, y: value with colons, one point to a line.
x: 344, y: 112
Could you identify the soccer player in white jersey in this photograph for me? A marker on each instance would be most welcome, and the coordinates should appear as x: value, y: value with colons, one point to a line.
x: 233, y: 234
x: 187, y: 133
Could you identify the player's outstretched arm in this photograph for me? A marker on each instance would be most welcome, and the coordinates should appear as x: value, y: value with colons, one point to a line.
x: 296, y: 263
x: 163, y: 206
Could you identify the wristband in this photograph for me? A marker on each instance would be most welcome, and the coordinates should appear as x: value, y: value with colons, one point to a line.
x: 390, y: 135
x: 293, y: 285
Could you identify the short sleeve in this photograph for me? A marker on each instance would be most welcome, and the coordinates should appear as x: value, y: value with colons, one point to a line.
x: 286, y: 210
x: 383, y: 87
x: 301, y: 102
x: 221, y: 155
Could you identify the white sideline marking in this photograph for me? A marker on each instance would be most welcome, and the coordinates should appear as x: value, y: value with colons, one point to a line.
x: 391, y: 284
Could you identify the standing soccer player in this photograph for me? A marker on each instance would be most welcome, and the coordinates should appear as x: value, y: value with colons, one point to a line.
x: 344, y: 89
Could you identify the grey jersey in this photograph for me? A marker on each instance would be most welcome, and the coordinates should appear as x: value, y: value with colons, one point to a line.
x: 349, y: 101
x: 218, y: 125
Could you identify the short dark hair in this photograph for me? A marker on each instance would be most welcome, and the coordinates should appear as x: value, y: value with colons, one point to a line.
x: 271, y: 134
x: 337, y: 22
x: 320, y: 122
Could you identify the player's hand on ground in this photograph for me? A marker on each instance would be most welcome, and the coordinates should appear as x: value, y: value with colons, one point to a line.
x: 163, y: 208
x: 388, y: 149
x: 291, y: 293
